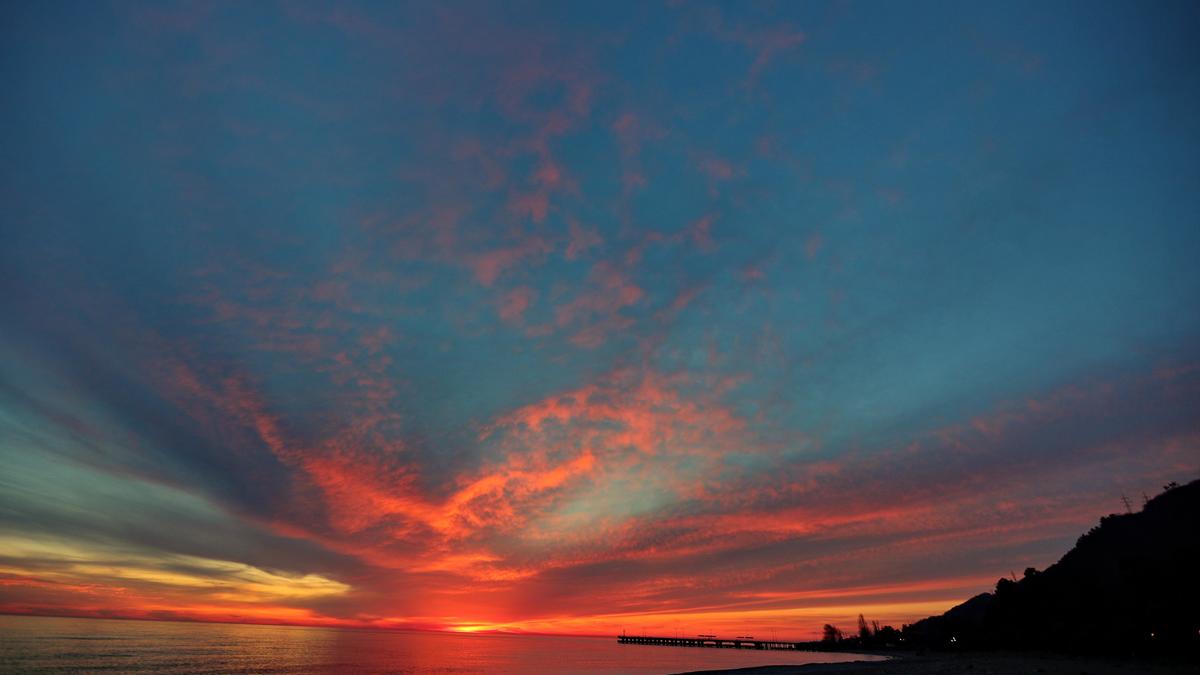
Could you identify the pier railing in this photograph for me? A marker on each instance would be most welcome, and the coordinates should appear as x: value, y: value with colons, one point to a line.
x: 708, y: 641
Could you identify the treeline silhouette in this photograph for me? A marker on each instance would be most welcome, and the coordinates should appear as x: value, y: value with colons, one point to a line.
x: 869, y: 636
x: 1130, y: 586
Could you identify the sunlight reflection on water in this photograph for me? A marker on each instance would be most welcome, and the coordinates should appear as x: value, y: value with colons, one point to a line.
x: 53, y: 645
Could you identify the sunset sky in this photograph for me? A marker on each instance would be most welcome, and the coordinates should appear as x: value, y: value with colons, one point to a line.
x: 578, y: 317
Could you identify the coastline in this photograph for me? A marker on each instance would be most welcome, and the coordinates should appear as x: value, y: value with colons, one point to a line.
x: 952, y: 664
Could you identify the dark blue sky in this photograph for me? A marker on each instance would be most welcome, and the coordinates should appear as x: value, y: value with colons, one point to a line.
x: 322, y: 313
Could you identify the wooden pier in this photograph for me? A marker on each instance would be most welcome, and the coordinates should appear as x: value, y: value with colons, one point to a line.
x: 709, y: 641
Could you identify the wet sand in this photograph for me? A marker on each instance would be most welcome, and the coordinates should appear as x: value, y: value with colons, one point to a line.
x: 973, y: 664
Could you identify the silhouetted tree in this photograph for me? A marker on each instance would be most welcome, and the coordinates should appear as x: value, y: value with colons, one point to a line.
x: 887, y: 636
x: 864, y: 631
x: 830, y: 634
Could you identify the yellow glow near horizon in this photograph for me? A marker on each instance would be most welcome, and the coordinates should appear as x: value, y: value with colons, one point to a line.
x: 74, y: 562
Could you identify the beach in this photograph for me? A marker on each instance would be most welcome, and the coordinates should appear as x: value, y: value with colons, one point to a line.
x: 975, y: 664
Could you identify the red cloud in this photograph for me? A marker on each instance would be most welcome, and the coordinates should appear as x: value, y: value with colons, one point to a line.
x: 701, y: 232
x: 716, y: 168
x: 582, y: 239
x: 488, y: 266
x: 515, y: 302
x: 533, y: 205
x: 598, y: 306
x: 632, y: 132
x: 549, y: 174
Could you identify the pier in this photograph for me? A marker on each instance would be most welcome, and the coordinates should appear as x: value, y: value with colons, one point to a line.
x: 710, y: 641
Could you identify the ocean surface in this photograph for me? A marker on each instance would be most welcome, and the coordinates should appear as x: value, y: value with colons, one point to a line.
x: 53, y: 645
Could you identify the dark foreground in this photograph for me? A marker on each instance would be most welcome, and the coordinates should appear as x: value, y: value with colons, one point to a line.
x: 974, y: 664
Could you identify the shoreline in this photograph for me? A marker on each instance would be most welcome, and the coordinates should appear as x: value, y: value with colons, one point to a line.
x: 999, y: 663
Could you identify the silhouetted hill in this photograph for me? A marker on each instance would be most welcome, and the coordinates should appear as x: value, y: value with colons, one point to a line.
x: 1130, y: 585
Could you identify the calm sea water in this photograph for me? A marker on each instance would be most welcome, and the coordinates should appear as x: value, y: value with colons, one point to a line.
x: 49, y: 645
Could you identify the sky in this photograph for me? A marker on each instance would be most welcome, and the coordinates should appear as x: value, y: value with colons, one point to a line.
x: 586, y: 317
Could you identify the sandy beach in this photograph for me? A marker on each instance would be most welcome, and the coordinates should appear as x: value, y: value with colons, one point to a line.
x: 975, y: 664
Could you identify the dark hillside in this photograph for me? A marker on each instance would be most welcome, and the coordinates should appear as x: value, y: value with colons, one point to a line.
x: 1130, y: 585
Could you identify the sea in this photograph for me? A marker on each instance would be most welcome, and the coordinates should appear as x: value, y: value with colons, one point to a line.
x: 60, y: 645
